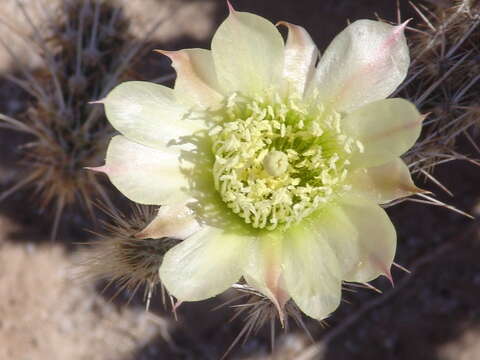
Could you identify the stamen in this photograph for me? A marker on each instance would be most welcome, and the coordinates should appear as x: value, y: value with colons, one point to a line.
x: 277, y: 161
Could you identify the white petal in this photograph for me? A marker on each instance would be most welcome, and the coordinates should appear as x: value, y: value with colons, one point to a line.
x: 196, y: 82
x: 312, y: 273
x: 248, y: 53
x: 143, y: 174
x: 364, y: 63
x: 386, y: 128
x: 384, y: 183
x: 301, y: 55
x: 148, y: 114
x: 176, y: 221
x: 263, y: 270
x: 362, y: 236
x: 204, y: 265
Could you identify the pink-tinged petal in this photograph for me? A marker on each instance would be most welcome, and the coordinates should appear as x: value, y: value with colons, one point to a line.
x: 365, y: 62
x: 384, y: 183
x: 175, y: 221
x: 311, y: 271
x: 248, y: 53
x: 148, y: 113
x: 386, y: 129
x: 143, y: 174
x: 363, y: 237
x: 277, y: 294
x: 263, y: 270
x: 231, y: 9
x: 301, y: 55
x: 337, y: 230
x: 196, y: 82
x: 100, y: 169
x: 205, y: 264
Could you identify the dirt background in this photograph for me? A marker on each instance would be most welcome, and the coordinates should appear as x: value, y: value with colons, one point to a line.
x: 46, y: 313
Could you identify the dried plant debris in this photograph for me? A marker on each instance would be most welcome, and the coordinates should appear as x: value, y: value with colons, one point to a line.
x: 124, y: 259
x: 258, y: 312
x: 444, y: 80
x: 85, y: 49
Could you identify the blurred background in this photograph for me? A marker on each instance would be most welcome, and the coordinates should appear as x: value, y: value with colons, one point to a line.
x: 48, y: 133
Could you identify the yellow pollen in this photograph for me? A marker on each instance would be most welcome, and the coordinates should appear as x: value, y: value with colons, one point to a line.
x: 275, y: 163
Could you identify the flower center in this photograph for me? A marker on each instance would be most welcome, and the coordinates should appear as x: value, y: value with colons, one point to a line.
x: 275, y: 163
x: 277, y: 160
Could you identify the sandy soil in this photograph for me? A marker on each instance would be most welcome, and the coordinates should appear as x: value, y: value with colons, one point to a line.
x: 45, y: 314
x: 171, y: 20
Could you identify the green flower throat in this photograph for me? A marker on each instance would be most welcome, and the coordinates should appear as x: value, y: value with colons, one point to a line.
x: 276, y: 161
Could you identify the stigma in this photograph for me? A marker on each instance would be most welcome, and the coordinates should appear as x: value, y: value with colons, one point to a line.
x: 275, y: 163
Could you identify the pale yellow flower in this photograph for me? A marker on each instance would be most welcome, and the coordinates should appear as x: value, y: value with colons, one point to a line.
x: 270, y: 166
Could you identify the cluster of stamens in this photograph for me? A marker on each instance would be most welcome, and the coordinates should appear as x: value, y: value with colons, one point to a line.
x: 277, y: 160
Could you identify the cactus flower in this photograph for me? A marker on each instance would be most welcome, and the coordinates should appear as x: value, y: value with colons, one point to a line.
x: 270, y: 162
